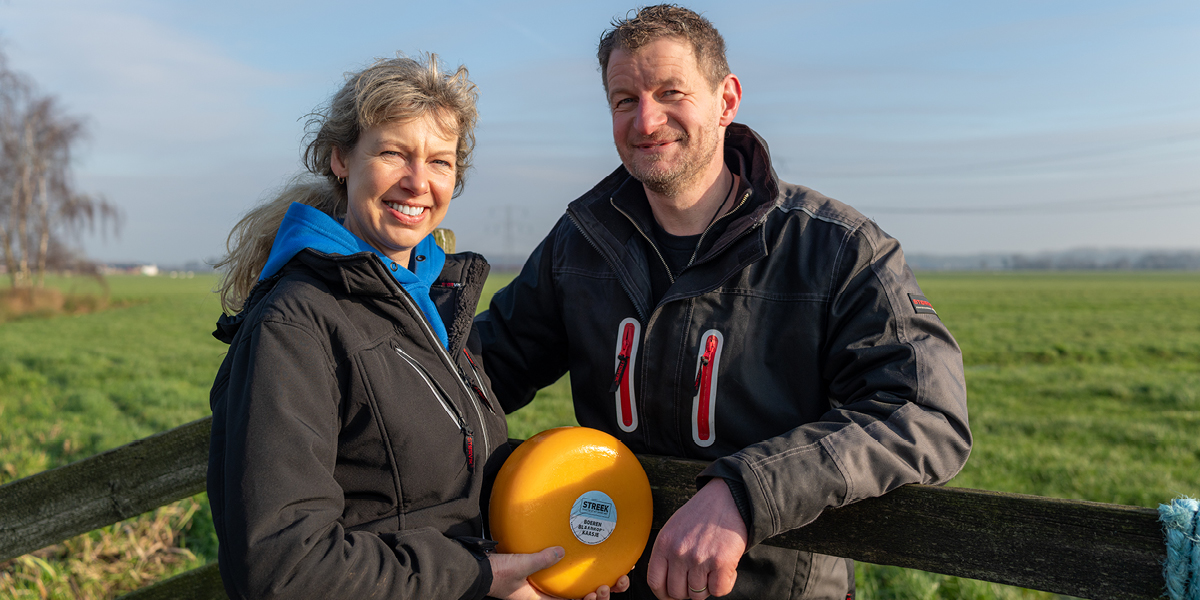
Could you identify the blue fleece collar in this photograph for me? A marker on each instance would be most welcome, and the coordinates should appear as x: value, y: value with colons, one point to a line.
x: 306, y: 227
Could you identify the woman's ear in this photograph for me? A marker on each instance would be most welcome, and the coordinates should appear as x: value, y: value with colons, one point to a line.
x: 337, y: 163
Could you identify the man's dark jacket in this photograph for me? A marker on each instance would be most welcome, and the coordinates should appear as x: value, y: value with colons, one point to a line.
x: 344, y: 435
x: 797, y: 353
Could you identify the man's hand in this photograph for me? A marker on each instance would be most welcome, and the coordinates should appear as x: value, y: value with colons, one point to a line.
x: 510, y: 573
x: 697, y: 552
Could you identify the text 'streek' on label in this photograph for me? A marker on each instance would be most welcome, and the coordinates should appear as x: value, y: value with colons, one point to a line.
x: 593, y: 517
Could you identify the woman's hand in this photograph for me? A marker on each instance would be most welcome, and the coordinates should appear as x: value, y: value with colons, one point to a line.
x: 603, y: 591
x: 510, y: 573
x: 510, y: 576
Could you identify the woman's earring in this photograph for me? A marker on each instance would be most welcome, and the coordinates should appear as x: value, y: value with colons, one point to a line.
x: 341, y: 180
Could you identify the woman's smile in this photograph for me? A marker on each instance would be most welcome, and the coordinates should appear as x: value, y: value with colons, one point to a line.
x: 400, y: 178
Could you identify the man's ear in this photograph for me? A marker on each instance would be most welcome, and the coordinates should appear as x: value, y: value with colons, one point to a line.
x: 337, y: 163
x: 731, y: 96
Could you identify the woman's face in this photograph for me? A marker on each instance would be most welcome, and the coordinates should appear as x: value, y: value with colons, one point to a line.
x: 399, y: 181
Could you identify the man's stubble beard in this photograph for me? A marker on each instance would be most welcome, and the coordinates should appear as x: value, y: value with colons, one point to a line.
x: 695, y: 156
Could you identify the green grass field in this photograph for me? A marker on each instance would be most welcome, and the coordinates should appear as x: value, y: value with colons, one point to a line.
x: 1081, y: 385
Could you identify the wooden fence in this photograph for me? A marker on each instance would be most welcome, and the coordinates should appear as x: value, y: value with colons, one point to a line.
x: 1083, y: 549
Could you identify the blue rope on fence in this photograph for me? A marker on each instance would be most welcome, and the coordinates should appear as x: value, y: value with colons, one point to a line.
x: 1182, y: 569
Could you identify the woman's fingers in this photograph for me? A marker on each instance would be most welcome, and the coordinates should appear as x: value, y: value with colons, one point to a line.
x: 509, y: 571
x: 542, y: 560
x: 621, y: 585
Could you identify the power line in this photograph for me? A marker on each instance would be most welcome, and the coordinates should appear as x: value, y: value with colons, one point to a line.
x: 1027, y: 161
x: 1090, y: 205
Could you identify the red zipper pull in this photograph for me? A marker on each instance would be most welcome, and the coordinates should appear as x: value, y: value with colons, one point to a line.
x: 622, y: 358
x: 710, y: 349
x: 705, y: 394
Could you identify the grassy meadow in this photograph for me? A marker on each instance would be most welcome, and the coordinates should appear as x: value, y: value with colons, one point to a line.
x: 1081, y: 385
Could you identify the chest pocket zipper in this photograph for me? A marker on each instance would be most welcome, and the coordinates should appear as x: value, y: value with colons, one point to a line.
x: 704, y: 402
x: 628, y: 335
x: 477, y: 383
x: 442, y: 398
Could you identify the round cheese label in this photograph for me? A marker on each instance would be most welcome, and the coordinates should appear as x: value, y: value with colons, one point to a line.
x: 593, y: 517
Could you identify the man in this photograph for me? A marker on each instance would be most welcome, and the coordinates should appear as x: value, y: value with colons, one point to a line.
x: 707, y: 310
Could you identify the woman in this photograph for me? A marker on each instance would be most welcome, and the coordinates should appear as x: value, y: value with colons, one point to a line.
x: 353, y: 435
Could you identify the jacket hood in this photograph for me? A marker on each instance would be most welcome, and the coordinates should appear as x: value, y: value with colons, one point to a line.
x: 306, y: 227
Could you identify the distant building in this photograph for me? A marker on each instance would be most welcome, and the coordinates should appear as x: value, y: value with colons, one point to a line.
x: 149, y: 270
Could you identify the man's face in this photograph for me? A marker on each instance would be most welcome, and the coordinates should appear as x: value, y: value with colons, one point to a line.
x: 666, y: 115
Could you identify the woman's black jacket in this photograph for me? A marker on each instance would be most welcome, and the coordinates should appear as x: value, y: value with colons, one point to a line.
x: 349, y: 449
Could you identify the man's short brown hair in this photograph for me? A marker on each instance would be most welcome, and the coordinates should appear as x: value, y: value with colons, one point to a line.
x: 652, y: 23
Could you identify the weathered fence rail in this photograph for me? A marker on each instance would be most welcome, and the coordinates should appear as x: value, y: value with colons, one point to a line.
x: 1083, y: 549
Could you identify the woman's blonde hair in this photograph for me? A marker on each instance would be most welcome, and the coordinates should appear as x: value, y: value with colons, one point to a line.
x: 393, y: 90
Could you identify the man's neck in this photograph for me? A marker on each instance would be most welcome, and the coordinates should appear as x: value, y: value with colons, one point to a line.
x: 691, y: 210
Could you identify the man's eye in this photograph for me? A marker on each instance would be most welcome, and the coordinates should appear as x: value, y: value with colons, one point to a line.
x: 623, y: 102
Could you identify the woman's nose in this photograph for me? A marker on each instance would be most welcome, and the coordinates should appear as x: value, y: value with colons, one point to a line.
x: 416, y: 180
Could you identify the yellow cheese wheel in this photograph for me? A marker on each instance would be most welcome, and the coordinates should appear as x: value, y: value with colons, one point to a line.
x: 578, y: 488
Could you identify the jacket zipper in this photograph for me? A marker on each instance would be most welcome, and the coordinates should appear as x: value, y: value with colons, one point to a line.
x: 710, y: 226
x: 705, y: 389
x: 623, y: 385
x: 468, y: 435
x: 670, y: 275
x: 444, y: 354
x: 477, y: 385
x: 699, y: 243
x: 625, y: 285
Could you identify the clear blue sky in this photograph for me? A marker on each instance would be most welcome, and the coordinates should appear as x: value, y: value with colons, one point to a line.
x: 960, y: 127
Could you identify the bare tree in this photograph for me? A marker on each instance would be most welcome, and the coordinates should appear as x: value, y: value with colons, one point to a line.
x: 39, y: 206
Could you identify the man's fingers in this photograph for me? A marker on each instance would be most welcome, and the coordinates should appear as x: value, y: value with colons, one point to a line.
x: 721, y: 581
x: 656, y: 573
x: 697, y: 584
x: 677, y: 581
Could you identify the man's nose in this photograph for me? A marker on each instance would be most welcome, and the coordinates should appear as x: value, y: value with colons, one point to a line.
x: 650, y: 116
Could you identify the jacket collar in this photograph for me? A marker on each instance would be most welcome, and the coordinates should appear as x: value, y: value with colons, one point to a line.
x: 306, y: 229
x: 362, y: 275
x: 614, y: 230
x: 743, y: 147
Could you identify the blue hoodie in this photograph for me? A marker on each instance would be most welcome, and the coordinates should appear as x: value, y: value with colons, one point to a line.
x: 306, y: 227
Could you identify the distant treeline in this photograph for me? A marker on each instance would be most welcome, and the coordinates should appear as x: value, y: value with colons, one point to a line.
x: 1067, y: 260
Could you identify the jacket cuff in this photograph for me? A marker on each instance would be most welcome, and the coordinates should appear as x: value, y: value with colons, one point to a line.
x: 479, y: 548
x: 737, y: 489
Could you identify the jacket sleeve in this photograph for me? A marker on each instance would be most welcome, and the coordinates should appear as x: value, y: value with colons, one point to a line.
x: 522, y: 332
x: 898, y: 413
x: 276, y: 503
